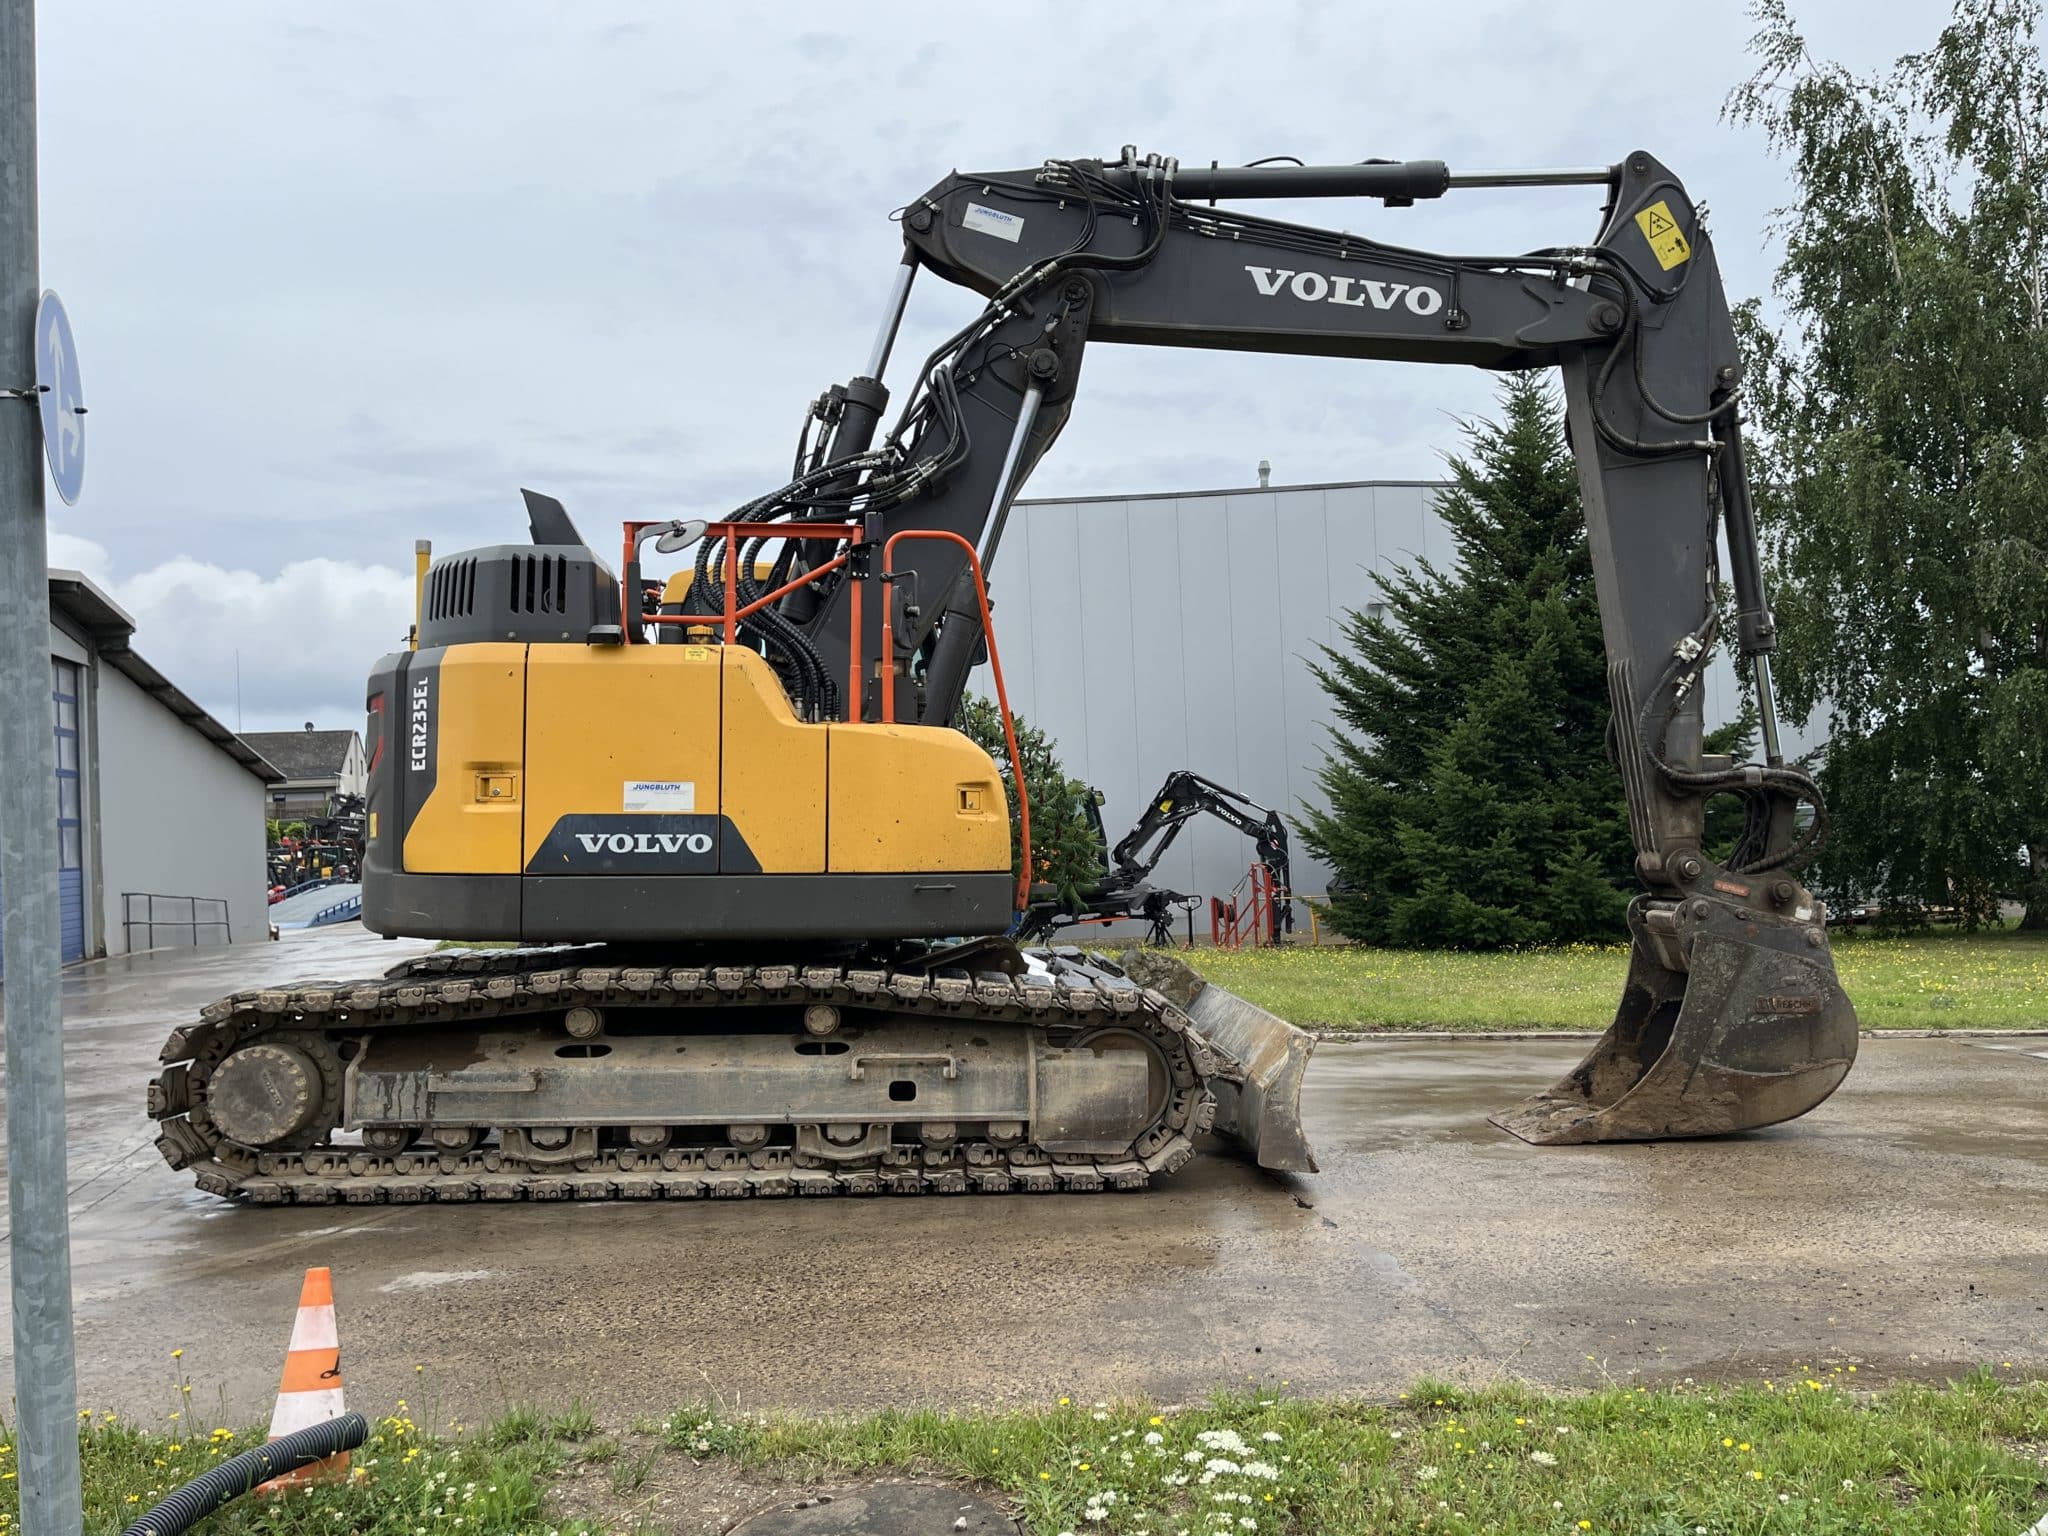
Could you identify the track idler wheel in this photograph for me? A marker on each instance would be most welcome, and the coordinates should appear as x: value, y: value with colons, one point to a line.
x: 1755, y: 1030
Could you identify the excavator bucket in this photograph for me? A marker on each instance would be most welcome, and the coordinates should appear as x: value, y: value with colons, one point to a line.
x: 1755, y: 1031
x: 1258, y: 1094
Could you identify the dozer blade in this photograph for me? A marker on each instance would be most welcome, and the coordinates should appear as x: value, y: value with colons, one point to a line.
x: 1755, y: 1031
x: 1261, y: 1111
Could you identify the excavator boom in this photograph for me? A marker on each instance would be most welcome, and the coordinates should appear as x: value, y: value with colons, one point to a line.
x: 1732, y: 1015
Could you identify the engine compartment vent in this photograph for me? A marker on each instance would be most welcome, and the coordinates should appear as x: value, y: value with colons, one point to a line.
x: 451, y: 589
x: 540, y: 584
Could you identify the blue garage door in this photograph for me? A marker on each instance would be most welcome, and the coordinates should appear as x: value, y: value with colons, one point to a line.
x: 64, y: 676
x: 70, y: 823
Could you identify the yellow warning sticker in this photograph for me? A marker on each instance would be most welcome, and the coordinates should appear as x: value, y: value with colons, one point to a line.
x: 1667, y: 240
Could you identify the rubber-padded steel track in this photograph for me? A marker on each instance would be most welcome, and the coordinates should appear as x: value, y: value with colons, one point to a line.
x: 1075, y: 992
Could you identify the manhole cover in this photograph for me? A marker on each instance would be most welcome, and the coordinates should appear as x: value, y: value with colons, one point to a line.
x: 882, y: 1509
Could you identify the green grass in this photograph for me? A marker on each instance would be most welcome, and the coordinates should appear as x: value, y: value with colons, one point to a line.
x: 1931, y: 981
x: 1798, y: 1457
x: 405, y: 1479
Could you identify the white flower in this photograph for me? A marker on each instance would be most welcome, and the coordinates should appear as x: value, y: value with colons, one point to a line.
x: 1784, y: 1498
x: 1564, y: 1429
x: 1095, y: 1512
x: 1153, y: 1437
x: 1543, y: 1458
x: 1192, y: 1458
x: 1107, y: 1496
x: 1099, y: 1416
x: 1223, y: 1440
x: 1397, y: 1434
x: 1271, y: 1437
x: 1425, y: 1474
x: 1248, y: 1522
x: 1261, y: 1469
x: 1217, y: 1464
x: 1849, y: 1484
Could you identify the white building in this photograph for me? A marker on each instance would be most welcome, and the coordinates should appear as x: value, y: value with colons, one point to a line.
x: 159, y: 806
x: 1152, y: 633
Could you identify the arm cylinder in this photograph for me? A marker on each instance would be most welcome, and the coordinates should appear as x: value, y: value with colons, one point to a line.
x: 1401, y: 179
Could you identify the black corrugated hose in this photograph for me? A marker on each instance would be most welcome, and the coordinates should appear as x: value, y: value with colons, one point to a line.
x: 187, y: 1506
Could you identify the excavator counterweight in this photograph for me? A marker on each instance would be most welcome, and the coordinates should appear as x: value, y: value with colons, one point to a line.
x: 765, y: 893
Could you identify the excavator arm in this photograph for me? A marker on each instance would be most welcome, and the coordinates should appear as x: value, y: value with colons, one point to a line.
x: 1180, y: 799
x: 1732, y: 1016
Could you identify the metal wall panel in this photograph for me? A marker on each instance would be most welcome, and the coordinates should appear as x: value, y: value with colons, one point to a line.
x: 178, y: 816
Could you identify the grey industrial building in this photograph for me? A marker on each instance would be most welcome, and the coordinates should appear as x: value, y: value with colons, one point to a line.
x: 155, y: 798
x: 1151, y: 633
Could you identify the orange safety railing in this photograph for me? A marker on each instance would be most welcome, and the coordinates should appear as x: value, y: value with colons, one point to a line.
x: 849, y: 533
x: 1233, y: 921
x: 852, y: 535
x: 995, y: 664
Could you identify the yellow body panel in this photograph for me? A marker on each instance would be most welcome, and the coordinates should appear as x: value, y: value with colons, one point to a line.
x: 774, y: 768
x: 602, y: 717
x: 526, y: 736
x: 914, y: 798
x: 480, y: 715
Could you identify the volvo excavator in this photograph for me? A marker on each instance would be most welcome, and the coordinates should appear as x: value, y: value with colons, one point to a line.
x: 762, y: 892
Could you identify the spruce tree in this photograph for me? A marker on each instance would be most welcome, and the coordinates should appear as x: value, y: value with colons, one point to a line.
x: 1470, y: 799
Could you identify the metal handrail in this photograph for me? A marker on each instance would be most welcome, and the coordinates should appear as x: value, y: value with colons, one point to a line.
x: 149, y: 922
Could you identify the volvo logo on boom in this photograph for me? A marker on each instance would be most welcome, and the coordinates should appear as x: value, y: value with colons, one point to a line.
x: 1358, y: 292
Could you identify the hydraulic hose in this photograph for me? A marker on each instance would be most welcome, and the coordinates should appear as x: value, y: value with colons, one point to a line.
x: 188, y: 1505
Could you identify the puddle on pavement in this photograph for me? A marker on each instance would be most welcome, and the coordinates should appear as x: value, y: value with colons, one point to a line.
x: 1380, y: 1096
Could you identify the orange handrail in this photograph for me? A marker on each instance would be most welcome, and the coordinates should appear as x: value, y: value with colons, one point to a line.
x: 995, y: 662
x: 732, y: 533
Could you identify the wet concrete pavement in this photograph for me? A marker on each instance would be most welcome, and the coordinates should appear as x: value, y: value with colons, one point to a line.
x: 1900, y: 1227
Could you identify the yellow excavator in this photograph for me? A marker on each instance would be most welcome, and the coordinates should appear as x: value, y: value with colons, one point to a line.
x: 763, y: 892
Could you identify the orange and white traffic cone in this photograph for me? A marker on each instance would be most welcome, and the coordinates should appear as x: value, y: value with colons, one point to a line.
x: 311, y: 1390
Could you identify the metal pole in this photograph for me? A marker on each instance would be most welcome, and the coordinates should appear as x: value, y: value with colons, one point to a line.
x: 1558, y: 176
x: 39, y: 1239
x: 885, y: 338
x: 1767, y: 710
x: 999, y: 506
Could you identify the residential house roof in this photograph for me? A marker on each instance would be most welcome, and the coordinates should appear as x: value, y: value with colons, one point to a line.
x: 303, y: 756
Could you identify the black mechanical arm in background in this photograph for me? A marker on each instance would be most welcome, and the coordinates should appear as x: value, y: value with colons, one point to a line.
x: 1077, y: 251
x: 1184, y: 796
x: 1123, y: 891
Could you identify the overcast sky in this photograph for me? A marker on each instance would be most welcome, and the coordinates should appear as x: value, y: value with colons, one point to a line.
x: 344, y: 276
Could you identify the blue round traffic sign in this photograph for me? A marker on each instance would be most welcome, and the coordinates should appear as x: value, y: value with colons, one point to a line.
x: 61, y: 397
